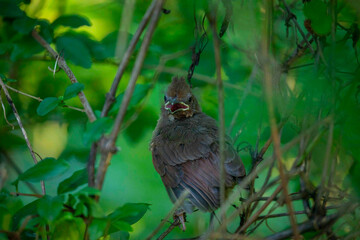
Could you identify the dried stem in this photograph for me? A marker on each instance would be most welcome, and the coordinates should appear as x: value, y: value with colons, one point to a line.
x: 62, y: 63
x: 108, y: 144
x: 17, y: 116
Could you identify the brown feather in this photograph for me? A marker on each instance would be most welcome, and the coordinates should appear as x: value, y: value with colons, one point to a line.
x: 185, y: 152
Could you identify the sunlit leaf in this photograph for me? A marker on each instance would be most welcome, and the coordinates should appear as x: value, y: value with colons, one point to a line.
x: 68, y: 229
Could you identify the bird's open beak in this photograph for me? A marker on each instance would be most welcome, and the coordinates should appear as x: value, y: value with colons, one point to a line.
x: 174, y: 107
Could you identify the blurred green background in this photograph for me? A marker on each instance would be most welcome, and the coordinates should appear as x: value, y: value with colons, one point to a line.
x: 305, y: 94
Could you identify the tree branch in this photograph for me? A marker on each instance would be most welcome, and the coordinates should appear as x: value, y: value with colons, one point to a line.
x: 313, y: 224
x: 62, y: 63
x: 108, y: 143
x: 110, y: 96
x: 17, y: 116
x: 220, y: 90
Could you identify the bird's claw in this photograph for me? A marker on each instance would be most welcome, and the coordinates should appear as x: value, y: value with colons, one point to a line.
x: 180, y: 215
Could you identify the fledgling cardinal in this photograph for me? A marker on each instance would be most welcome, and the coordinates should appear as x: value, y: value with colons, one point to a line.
x: 185, y: 152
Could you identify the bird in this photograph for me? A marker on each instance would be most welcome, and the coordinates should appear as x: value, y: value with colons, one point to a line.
x: 186, y: 153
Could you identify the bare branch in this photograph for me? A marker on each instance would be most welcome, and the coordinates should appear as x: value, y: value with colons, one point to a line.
x: 293, y: 19
x: 110, y: 96
x: 62, y: 63
x: 313, y: 224
x: 254, y: 217
x: 17, y: 116
x: 108, y: 144
x: 220, y: 90
x: 169, y: 229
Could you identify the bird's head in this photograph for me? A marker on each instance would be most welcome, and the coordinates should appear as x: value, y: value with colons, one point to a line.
x: 179, y: 101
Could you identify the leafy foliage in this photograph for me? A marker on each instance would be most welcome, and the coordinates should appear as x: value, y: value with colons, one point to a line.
x: 311, y: 88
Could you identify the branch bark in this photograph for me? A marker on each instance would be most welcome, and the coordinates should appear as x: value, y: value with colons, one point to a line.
x: 17, y: 116
x: 62, y: 63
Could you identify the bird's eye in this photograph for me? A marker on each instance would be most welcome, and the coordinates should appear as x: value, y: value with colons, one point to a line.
x: 165, y: 98
x: 190, y: 99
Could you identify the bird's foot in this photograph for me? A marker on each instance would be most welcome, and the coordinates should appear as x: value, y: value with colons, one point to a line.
x: 180, y: 215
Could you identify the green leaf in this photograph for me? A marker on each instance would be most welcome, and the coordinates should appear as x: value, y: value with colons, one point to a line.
x: 77, y: 179
x: 44, y: 170
x: 24, y: 48
x: 139, y: 94
x: 68, y: 229
x: 50, y: 207
x: 97, y: 228
x: 130, y: 212
x: 88, y: 191
x: 10, y: 8
x: 72, y: 90
x: 24, y: 25
x: 46, y: 30
x: 316, y: 11
x: 27, y: 210
x: 94, y: 207
x: 47, y: 105
x: 4, y: 47
x: 96, y: 129
x: 73, y: 21
x: 74, y: 50
x: 120, y: 226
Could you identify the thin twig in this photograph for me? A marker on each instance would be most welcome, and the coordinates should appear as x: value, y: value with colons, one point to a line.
x: 108, y: 144
x: 293, y: 19
x: 4, y: 111
x: 220, y: 90
x: 62, y: 63
x: 314, y: 224
x: 177, y: 204
x: 254, y: 217
x: 27, y: 194
x: 268, y: 81
x: 169, y: 229
x: 200, y: 77
x: 17, y: 116
x: 40, y: 100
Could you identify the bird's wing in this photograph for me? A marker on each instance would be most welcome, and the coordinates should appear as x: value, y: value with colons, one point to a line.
x: 187, y: 157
